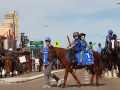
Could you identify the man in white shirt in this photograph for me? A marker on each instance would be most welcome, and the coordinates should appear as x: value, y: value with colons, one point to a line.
x: 37, y: 64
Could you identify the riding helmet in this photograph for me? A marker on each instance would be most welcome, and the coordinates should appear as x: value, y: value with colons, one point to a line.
x: 48, y: 39
x: 110, y: 31
x: 75, y: 34
x: 82, y: 34
x: 114, y: 36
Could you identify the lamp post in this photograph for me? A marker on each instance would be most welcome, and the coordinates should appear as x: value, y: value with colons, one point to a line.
x: 32, y: 50
x: 37, y: 30
x: 117, y: 3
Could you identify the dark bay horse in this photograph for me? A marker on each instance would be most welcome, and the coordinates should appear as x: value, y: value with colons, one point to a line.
x: 95, y: 69
x: 1, y: 66
x: 111, y: 61
x: 2, y: 62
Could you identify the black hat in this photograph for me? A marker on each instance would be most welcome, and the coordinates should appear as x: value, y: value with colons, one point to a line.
x: 99, y: 43
x: 90, y: 42
x: 114, y: 36
x: 82, y: 34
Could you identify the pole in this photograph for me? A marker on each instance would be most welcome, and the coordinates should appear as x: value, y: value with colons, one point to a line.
x: 32, y: 61
x: 37, y: 30
x: 68, y: 40
x: 57, y: 64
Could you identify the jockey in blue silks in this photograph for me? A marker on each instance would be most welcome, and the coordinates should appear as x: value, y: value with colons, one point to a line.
x: 108, y: 41
x: 83, y: 46
x: 48, y: 66
x: 75, y: 46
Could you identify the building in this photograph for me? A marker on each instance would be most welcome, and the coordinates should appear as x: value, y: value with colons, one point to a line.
x: 10, y: 29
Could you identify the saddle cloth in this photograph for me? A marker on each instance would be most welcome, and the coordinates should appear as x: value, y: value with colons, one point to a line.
x: 88, y: 58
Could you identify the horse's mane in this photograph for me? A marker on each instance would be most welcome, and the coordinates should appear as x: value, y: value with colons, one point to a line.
x: 60, y: 48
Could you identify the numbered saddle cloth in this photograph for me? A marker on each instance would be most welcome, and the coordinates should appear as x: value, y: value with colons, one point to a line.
x: 45, y: 56
x: 88, y: 58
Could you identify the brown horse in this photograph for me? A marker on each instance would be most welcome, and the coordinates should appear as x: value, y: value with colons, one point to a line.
x: 60, y: 53
x: 27, y: 64
x: 9, y: 65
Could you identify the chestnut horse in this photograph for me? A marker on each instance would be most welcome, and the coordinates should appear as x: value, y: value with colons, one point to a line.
x: 95, y: 69
x: 9, y: 65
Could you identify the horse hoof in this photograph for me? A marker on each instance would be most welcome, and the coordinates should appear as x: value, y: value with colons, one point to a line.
x: 79, y: 85
x: 115, y: 77
x: 62, y: 86
x: 96, y: 85
x: 109, y: 77
x: 92, y: 85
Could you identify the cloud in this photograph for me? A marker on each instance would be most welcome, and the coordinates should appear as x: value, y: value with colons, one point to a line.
x: 63, y: 17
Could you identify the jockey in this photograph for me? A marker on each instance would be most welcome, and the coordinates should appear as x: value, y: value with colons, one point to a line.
x: 117, y: 44
x: 115, y: 38
x: 75, y: 46
x: 83, y: 45
x: 48, y: 66
x: 108, y: 40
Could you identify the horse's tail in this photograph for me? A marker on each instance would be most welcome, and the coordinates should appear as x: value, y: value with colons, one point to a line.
x: 100, y: 66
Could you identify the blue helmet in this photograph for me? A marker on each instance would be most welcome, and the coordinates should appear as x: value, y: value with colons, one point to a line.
x: 48, y: 39
x: 110, y: 32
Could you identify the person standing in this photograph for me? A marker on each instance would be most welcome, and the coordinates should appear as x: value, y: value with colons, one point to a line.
x: 37, y: 64
x: 90, y: 43
x: 48, y: 66
x: 99, y: 49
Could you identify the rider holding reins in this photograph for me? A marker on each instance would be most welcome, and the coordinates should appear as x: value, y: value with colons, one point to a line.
x: 109, y: 37
x: 75, y: 46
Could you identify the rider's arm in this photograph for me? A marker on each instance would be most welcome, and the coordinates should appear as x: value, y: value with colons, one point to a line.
x: 71, y: 46
x: 108, y: 39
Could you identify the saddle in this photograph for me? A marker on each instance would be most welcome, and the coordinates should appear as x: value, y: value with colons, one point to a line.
x: 88, y: 58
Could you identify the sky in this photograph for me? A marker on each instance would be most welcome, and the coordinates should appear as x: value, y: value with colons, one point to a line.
x: 63, y: 17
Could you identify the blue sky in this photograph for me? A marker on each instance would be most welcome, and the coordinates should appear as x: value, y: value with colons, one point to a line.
x: 63, y: 17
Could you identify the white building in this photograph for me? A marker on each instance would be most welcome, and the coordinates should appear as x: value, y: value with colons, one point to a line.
x: 10, y: 29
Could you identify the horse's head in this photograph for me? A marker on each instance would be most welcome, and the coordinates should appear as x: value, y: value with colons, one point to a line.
x: 51, y: 54
x: 112, y: 45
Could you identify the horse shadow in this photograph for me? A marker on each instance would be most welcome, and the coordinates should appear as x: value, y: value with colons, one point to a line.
x: 82, y: 85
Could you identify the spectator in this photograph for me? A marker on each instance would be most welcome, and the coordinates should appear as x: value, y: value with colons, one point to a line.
x: 99, y: 49
x: 90, y: 43
x: 37, y: 64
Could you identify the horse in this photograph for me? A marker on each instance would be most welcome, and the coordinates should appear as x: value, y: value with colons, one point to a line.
x: 1, y: 65
x: 111, y: 60
x: 2, y: 62
x: 27, y: 64
x: 61, y: 53
x: 9, y: 65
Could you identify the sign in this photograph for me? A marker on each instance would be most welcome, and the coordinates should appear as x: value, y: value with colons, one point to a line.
x: 36, y: 44
x: 57, y: 44
x: 22, y: 59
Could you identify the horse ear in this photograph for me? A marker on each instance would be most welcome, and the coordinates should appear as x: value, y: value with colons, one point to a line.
x: 50, y: 47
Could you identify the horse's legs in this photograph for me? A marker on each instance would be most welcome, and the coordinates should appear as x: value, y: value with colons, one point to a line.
x: 73, y: 74
x: 65, y: 77
x: 114, y: 71
x: 109, y: 70
x: 92, y: 80
x: 92, y: 76
x: 97, y: 79
x: 1, y: 71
